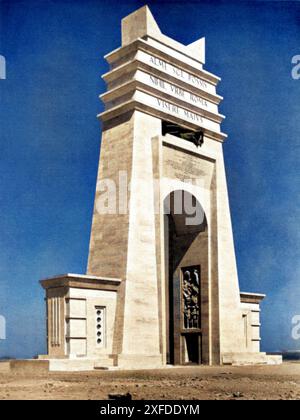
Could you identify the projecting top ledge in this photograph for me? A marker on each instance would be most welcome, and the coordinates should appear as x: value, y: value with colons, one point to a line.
x: 251, y: 297
x: 81, y: 281
x: 141, y: 23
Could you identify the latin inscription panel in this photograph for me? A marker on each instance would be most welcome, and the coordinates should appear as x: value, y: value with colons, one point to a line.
x: 176, y: 72
x: 176, y: 91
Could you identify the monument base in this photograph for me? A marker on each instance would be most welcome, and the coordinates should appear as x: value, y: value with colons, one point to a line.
x: 141, y: 362
x: 82, y: 308
x: 112, y: 362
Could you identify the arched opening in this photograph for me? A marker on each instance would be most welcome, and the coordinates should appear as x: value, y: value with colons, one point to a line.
x: 186, y: 274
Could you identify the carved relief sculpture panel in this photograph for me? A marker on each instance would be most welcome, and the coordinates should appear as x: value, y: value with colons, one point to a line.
x: 191, y: 297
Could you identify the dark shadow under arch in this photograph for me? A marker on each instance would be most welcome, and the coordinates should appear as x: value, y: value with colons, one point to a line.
x: 186, y: 248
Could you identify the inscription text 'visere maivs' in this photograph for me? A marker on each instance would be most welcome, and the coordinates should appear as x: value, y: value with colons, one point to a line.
x: 177, y: 110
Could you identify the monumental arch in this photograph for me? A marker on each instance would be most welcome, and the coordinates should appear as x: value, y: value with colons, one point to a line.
x: 161, y: 285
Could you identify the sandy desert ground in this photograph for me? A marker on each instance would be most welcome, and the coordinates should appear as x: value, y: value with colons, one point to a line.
x: 193, y: 383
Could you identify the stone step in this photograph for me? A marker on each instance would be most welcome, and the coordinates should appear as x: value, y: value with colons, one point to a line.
x: 25, y: 366
x: 244, y: 359
x: 81, y: 364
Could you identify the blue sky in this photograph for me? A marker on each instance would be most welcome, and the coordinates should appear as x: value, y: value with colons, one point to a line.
x: 50, y: 144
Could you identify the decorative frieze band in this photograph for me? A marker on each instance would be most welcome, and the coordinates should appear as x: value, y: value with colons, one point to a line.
x: 164, y: 91
x: 170, y: 107
x: 158, y: 51
x: 144, y: 77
